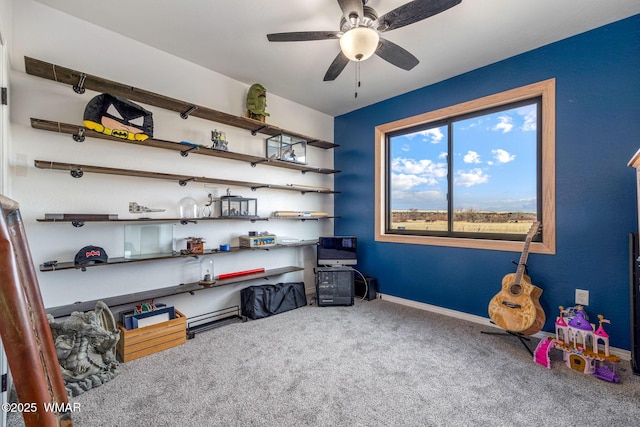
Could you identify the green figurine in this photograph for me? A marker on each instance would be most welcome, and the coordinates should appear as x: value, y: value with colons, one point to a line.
x: 257, y: 102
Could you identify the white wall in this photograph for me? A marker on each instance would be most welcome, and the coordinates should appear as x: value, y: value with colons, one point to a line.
x: 5, y: 31
x: 5, y: 36
x: 50, y: 35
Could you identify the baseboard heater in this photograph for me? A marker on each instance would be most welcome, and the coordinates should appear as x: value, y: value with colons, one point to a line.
x: 213, y: 319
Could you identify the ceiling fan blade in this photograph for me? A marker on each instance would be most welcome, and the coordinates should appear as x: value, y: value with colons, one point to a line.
x: 351, y: 7
x: 412, y: 12
x: 396, y: 55
x: 336, y: 67
x: 303, y: 36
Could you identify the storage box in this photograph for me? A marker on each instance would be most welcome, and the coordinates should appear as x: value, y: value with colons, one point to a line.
x: 136, y: 343
x: 288, y: 148
x: 257, y: 241
x: 147, y: 240
x: 195, y: 245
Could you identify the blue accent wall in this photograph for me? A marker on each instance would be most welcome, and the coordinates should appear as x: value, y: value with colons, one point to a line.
x: 597, y: 132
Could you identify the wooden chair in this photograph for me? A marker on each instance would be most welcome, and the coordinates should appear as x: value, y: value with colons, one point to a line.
x: 24, y: 328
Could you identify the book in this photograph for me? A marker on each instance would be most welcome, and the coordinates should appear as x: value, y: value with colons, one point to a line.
x: 152, y: 317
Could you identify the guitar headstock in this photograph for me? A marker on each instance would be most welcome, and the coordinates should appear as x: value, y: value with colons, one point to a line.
x: 535, y: 229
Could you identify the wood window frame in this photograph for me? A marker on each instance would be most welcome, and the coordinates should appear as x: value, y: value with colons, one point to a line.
x: 547, y: 91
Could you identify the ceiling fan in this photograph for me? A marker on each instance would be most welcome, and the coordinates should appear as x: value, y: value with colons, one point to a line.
x: 360, y: 29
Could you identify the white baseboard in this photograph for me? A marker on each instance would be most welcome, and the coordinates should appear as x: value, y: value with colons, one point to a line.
x: 485, y: 321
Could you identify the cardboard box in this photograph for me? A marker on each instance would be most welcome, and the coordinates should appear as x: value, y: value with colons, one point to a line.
x: 140, y: 342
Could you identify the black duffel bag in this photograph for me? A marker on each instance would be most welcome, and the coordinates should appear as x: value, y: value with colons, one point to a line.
x: 266, y: 300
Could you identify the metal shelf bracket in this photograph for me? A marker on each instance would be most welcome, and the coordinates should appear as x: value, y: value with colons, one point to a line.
x: 79, y: 87
x: 184, y: 182
x: 186, y: 114
x: 79, y: 137
x: 185, y: 153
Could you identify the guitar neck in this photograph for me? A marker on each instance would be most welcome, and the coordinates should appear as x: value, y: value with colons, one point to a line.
x: 522, y: 263
x: 525, y: 252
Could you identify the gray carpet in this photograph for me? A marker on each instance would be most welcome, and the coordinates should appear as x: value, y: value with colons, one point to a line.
x: 374, y: 364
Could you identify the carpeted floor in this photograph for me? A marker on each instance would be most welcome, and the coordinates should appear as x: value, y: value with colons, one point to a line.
x: 374, y: 364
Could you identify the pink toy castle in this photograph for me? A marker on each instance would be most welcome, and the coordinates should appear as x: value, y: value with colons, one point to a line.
x: 584, y: 348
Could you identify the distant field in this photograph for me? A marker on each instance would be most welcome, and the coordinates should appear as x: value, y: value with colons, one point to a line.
x: 466, y: 221
x: 483, y: 227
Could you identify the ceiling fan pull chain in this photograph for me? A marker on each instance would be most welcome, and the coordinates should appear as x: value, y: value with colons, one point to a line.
x: 357, y: 82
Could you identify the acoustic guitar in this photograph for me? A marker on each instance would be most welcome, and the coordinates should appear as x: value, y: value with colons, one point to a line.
x: 516, y: 308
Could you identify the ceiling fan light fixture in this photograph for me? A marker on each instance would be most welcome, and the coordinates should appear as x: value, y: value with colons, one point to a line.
x: 359, y: 43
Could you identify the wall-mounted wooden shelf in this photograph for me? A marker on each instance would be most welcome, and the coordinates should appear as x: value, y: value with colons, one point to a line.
x: 70, y: 265
x: 79, y: 132
x: 81, y: 81
x: 79, y: 221
x: 133, y: 298
x: 78, y: 170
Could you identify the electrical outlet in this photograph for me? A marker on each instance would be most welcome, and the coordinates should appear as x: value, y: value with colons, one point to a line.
x: 582, y: 297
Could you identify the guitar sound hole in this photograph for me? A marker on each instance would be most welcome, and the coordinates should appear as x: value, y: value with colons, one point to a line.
x: 516, y: 289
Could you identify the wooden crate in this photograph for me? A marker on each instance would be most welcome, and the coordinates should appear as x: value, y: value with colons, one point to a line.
x: 140, y: 342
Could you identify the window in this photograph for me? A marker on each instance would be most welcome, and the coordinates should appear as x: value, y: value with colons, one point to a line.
x: 476, y: 175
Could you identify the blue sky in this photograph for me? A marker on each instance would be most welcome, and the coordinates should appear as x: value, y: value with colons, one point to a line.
x: 494, y: 164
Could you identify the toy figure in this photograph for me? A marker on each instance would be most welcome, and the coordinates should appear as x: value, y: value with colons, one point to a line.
x: 118, y: 117
x: 257, y: 102
x: 86, y: 348
x: 584, y: 348
x: 219, y: 140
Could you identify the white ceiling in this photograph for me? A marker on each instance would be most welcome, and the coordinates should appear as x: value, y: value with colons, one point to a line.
x: 229, y: 36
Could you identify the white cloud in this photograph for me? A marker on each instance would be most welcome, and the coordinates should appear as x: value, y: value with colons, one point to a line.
x: 528, y: 114
x: 470, y: 178
x: 424, y: 167
x: 410, y: 173
x: 471, y: 157
x: 433, y: 136
x: 505, y: 124
x: 443, y: 155
x: 406, y: 147
x: 529, y: 122
x: 503, y: 156
x: 401, y: 182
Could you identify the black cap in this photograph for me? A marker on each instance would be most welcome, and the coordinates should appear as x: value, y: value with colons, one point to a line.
x: 91, y: 255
